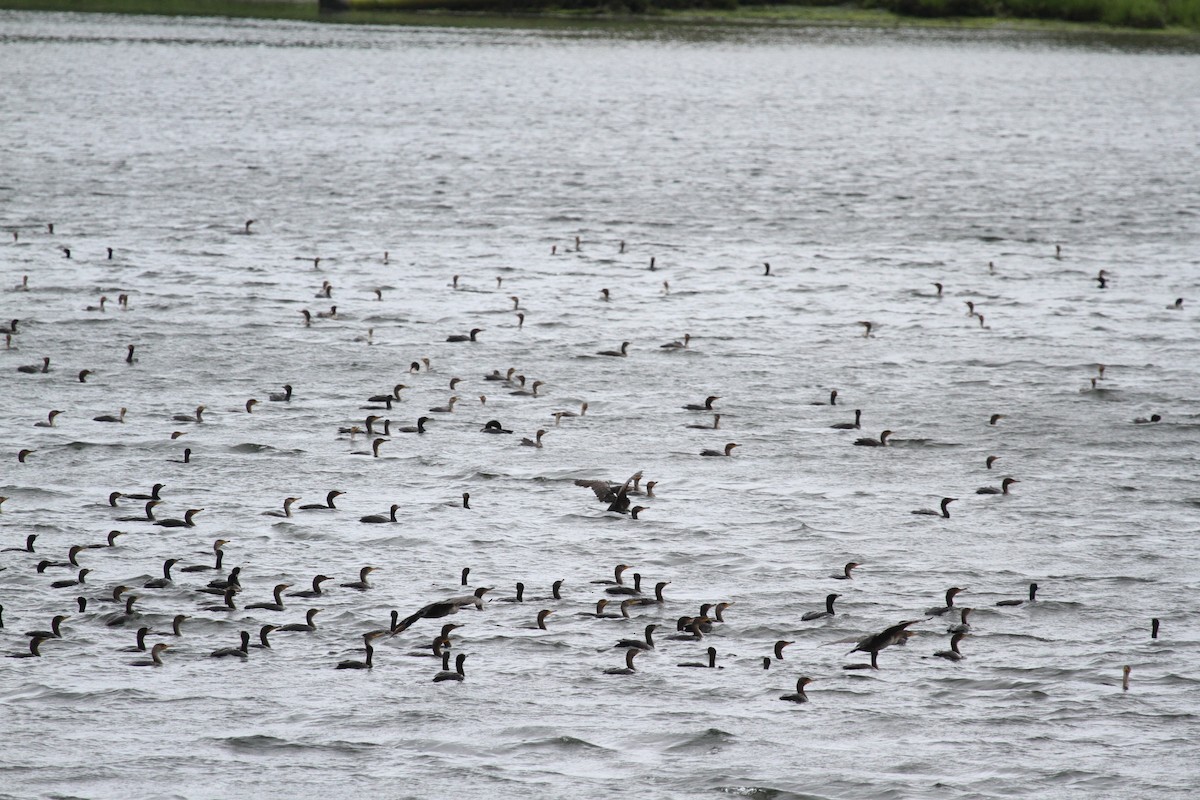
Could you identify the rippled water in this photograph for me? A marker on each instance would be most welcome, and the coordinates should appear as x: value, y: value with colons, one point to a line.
x: 863, y: 166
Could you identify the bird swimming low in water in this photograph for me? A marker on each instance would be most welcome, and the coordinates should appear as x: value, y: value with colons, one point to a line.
x: 828, y: 612
x: 1033, y: 589
x: 867, y: 441
x: 799, y: 696
x: 720, y: 453
x: 945, y: 512
x: 457, y: 675
x: 628, y: 669
x: 993, y: 490
x: 470, y: 337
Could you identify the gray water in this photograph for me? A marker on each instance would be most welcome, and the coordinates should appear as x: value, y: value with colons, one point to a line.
x: 863, y: 166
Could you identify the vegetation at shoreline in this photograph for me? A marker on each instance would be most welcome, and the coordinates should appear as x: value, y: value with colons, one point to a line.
x: 1178, y: 15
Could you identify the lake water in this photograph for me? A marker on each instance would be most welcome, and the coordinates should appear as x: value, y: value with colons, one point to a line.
x: 862, y: 165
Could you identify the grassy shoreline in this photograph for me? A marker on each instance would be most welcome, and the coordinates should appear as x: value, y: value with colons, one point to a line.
x: 427, y: 12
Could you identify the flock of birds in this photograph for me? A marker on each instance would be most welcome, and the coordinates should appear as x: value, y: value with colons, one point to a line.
x: 214, y: 590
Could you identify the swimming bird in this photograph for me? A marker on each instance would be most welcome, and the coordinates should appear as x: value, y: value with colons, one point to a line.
x: 218, y: 546
x: 418, y: 428
x: 624, y: 351
x: 263, y: 633
x: 275, y: 606
x: 1102, y: 279
x: 282, y: 397
x: 716, y: 423
x: 49, y: 421
x: 963, y: 626
x: 1033, y: 589
x: 705, y: 406
x: 850, y: 426
x: 28, y: 548
x: 527, y: 442
x: 458, y: 337
x: 953, y: 654
x: 24, y: 454
x: 939, y: 610
x: 287, y: 508
x: 366, y: 663
x: 945, y: 512
x: 617, y: 497
x: 1176, y: 306
x: 227, y: 601
x: 711, y: 664
x: 155, y: 659
x: 221, y: 585
x: 110, y: 418
x: 992, y: 420
x: 155, y: 493
x: 129, y: 357
x: 165, y: 580
x: 658, y: 595
x: 83, y: 375
x: 78, y: 581
x: 374, y: 451
x: 845, y: 575
x: 828, y: 612
x: 446, y: 409
x: 308, y: 626
x: 494, y: 426
x: 381, y: 518
x: 677, y: 345
x: 55, y: 631
x: 186, y: 522
x: 456, y: 675
x: 235, y: 652
x: 800, y: 696
x: 315, y: 591
x: 628, y: 669
x: 623, y: 589
x: 583, y: 407
x: 387, y: 398
x: 617, y: 573
x: 328, y: 505
x: 648, y: 644
x: 32, y: 369
x: 1145, y: 421
x: 867, y: 441
x: 198, y: 417
x: 361, y: 584
x: 726, y: 452
x: 993, y: 490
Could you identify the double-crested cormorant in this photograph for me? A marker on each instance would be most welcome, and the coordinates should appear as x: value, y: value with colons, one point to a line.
x: 712, y: 661
x: 444, y: 608
x: 418, y: 428
x: 382, y: 518
x: 833, y: 396
x: 705, y: 406
x: 537, y: 442
x: 186, y: 522
x: 227, y: 596
x: 993, y: 490
x: 583, y: 407
x: 623, y: 589
x: 658, y: 595
x: 155, y: 493
x: 28, y: 548
x: 24, y: 454
x: 953, y: 654
x: 220, y: 556
x: 845, y: 575
x: 1145, y: 421
x: 155, y: 659
x: 726, y: 452
x: 638, y: 644
x: 945, y: 512
x: 327, y: 506
x: 850, y: 426
x: 799, y: 696
x: 963, y: 626
x: 677, y: 345
x: 165, y: 580
x: 373, y: 452
x: 446, y: 409
x: 83, y: 375
x: 33, y: 369
x: 110, y: 418
x: 884, y: 639
x: 456, y: 675
x: 458, y: 337
x: 315, y: 591
x: 624, y: 351
x: 263, y: 633
x: 494, y: 426
x: 994, y: 418
x: 308, y: 626
x: 49, y: 421
x: 1033, y: 588
x: 34, y: 652
x: 220, y: 585
x: 617, y: 571
x: 287, y: 508
x: 79, y: 580
x: 1176, y: 306
x: 282, y: 397
x: 541, y: 618
x: 55, y: 631
x: 519, y: 597
x: 828, y: 612
x: 939, y: 610
x: 361, y: 584
x: 628, y: 669
x: 716, y: 423
x: 867, y: 441
x: 370, y: 652
x: 129, y: 357
x: 234, y: 652
x: 198, y: 417
x: 275, y: 606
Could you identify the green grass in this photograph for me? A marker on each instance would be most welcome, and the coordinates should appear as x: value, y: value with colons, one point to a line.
x: 1174, y: 16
